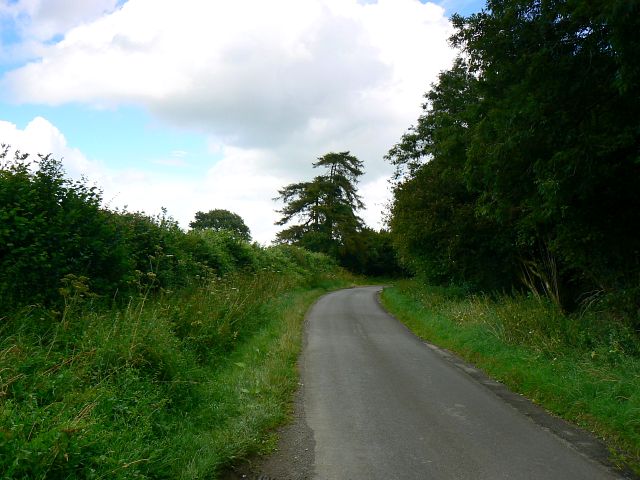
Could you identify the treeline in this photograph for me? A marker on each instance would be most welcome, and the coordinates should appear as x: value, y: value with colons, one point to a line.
x: 55, y: 238
x: 322, y: 216
x: 523, y: 171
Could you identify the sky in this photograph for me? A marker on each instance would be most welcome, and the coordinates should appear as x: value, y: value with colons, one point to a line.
x: 193, y: 105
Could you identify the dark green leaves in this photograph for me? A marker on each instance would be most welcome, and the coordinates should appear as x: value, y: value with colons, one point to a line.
x: 324, y: 207
x: 222, y: 220
x: 527, y: 150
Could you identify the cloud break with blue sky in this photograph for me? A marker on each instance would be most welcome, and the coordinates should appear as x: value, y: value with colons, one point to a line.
x: 201, y: 104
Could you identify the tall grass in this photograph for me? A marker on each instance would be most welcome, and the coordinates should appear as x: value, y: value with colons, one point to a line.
x: 172, y: 385
x: 584, y: 367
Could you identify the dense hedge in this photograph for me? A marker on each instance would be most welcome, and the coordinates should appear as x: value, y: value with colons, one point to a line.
x: 523, y: 170
x: 56, y: 238
x: 132, y: 349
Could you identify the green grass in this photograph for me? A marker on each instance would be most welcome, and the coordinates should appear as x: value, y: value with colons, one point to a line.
x: 250, y: 394
x: 584, y: 368
x: 174, y: 386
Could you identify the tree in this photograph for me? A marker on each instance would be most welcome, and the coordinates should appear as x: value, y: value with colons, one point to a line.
x: 555, y: 146
x: 370, y: 252
x: 218, y: 220
x: 325, y: 207
x: 433, y: 219
x: 527, y: 152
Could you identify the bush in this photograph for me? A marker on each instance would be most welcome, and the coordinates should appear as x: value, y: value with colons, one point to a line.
x: 95, y: 393
x: 51, y: 227
x: 90, y: 390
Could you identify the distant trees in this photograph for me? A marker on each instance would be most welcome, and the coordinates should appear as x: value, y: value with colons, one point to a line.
x: 322, y: 217
x: 524, y: 166
x: 325, y: 207
x: 221, y: 220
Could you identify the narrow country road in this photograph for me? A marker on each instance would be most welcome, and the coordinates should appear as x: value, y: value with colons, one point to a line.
x: 377, y: 403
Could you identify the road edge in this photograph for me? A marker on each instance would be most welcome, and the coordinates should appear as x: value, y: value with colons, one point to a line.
x: 583, y: 442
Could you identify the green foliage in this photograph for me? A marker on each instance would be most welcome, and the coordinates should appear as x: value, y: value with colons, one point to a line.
x: 190, y: 367
x: 526, y: 156
x: 221, y: 220
x: 325, y: 207
x: 171, y: 385
x: 370, y: 253
x: 51, y: 227
x: 433, y: 216
x: 556, y: 149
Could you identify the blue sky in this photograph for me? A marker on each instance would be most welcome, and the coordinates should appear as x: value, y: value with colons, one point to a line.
x: 193, y: 106
x: 121, y: 136
x: 462, y: 7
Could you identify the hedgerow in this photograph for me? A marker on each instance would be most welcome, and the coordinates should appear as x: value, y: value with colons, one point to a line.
x: 130, y: 348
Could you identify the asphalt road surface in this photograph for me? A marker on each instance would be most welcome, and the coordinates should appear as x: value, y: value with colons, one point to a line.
x: 377, y: 403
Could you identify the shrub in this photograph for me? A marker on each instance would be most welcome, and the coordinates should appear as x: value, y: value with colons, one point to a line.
x: 51, y: 227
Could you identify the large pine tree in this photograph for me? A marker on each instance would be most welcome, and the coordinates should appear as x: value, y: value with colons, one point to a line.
x: 322, y: 212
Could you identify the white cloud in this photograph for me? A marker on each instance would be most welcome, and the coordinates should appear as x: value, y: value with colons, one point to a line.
x: 43, y: 19
x: 375, y: 194
x: 234, y: 183
x: 41, y: 137
x: 273, y: 85
x: 249, y: 72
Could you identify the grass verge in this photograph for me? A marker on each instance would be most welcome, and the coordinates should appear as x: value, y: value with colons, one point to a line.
x: 252, y: 392
x: 172, y: 386
x: 585, y: 372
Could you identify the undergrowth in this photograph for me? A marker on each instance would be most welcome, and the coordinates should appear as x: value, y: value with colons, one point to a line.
x: 583, y: 367
x: 130, y: 348
x: 170, y: 385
